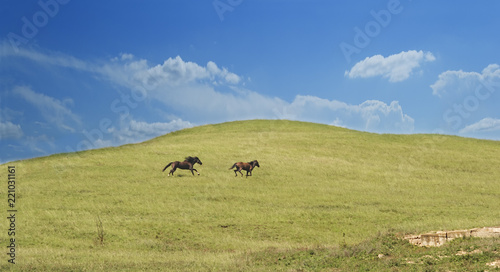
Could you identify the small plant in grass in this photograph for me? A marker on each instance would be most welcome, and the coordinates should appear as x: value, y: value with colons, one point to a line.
x: 100, y: 231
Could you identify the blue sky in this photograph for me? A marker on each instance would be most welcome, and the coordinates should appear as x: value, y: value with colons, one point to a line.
x: 76, y: 75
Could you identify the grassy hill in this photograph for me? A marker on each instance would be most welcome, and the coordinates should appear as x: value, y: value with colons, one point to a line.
x: 320, y: 190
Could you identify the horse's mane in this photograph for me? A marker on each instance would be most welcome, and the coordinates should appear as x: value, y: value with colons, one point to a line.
x: 191, y: 159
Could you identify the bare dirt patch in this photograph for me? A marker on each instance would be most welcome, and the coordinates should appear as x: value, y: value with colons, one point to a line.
x: 438, y: 238
x: 495, y: 264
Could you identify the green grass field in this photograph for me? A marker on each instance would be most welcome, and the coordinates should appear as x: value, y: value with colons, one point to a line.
x: 324, y: 198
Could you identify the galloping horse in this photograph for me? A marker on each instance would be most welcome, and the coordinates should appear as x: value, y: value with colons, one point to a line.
x: 244, y: 166
x: 187, y: 164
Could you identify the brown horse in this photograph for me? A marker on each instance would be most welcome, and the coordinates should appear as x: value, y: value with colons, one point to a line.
x: 186, y: 165
x: 244, y: 166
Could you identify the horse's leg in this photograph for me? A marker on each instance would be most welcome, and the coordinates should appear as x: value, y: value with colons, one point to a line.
x: 192, y: 169
x: 236, y: 172
x: 172, y: 171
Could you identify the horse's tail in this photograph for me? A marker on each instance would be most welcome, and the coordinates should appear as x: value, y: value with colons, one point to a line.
x: 167, y: 166
x: 234, y: 165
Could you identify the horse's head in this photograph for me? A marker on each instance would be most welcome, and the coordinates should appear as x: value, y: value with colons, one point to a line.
x: 193, y: 160
x: 255, y: 163
x: 197, y: 160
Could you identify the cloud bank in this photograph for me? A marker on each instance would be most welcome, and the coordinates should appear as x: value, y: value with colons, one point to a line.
x: 189, y: 94
x: 137, y: 131
x: 459, y: 83
x: 9, y: 130
x: 484, y: 125
x: 53, y: 110
x: 471, y: 96
x: 371, y: 115
x: 210, y: 94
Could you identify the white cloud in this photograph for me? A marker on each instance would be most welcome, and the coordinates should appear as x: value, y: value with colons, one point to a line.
x: 126, y: 132
x: 137, y: 131
x: 53, y: 110
x: 177, y: 71
x: 224, y: 73
x: 459, y: 82
x: 484, y: 125
x: 371, y: 115
x: 197, y: 93
x: 396, y: 67
x: 157, y: 128
x: 202, y: 103
x: 453, y: 83
x: 127, y: 56
x: 58, y: 59
x: 9, y: 130
x: 173, y: 72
